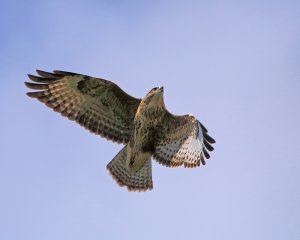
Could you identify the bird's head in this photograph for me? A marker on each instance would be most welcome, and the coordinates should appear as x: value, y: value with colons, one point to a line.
x: 155, y: 97
x: 155, y: 92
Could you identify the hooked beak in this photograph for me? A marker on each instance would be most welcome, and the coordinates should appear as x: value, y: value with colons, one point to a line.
x: 161, y: 89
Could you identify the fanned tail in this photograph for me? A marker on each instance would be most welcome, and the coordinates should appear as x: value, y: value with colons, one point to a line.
x: 139, y: 181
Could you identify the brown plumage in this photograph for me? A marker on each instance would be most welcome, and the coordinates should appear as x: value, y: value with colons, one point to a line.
x: 144, y: 125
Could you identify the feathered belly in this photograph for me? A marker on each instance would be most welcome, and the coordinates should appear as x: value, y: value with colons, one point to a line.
x: 140, y: 147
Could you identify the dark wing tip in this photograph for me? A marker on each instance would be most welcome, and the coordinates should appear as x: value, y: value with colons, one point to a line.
x: 33, y: 78
x: 27, y: 84
x: 202, y: 126
x: 43, y: 73
x: 65, y: 73
x: 209, y: 138
x: 208, y: 146
x: 205, y: 134
x: 206, y: 154
x: 40, y: 79
x: 202, y: 160
x: 47, y: 74
x: 36, y: 86
x: 32, y: 94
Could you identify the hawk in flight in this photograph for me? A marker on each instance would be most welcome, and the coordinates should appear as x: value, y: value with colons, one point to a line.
x: 144, y: 126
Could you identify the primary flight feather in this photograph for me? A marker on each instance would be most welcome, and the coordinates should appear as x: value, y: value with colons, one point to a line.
x: 144, y: 125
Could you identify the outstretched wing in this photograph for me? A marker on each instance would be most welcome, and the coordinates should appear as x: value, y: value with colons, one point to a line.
x: 182, y: 140
x: 98, y: 105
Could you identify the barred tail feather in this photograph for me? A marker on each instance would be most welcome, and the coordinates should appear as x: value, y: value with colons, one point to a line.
x: 139, y: 181
x: 117, y: 168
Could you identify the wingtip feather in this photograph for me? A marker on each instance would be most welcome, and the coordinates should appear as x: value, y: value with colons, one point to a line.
x: 35, y: 78
x: 206, y: 154
x: 36, y: 86
x: 46, y: 74
x: 208, y: 146
x: 209, y: 138
x: 64, y: 73
x: 31, y: 94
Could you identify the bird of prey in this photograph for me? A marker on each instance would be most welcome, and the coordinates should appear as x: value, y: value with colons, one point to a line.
x: 144, y: 126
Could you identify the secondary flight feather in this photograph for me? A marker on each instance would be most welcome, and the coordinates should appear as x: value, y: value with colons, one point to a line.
x: 144, y: 126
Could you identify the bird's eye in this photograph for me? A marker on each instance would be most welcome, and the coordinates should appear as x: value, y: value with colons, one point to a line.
x: 154, y: 89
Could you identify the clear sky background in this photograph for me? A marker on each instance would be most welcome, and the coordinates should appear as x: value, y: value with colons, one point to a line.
x: 232, y: 64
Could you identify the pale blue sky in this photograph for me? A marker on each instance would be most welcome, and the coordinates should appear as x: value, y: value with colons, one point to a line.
x: 232, y: 64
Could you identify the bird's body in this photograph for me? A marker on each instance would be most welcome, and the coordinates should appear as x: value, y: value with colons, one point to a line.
x: 144, y: 125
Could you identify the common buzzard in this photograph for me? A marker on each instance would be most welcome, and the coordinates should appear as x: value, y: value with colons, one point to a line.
x: 144, y: 126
